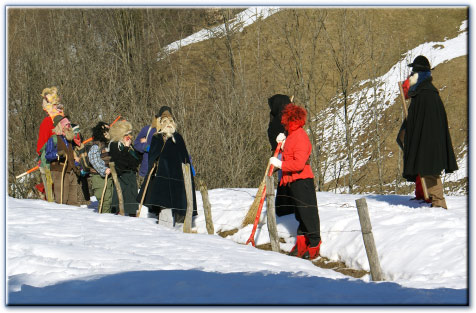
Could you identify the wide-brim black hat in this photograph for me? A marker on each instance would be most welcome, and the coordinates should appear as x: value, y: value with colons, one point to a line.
x: 420, y: 64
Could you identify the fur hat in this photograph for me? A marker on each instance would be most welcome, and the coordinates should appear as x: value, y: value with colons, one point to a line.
x: 51, y: 95
x: 420, y: 64
x: 293, y: 117
x: 99, y: 130
x: 119, y: 130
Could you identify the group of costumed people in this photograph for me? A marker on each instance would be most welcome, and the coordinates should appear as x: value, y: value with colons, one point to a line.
x: 158, y: 152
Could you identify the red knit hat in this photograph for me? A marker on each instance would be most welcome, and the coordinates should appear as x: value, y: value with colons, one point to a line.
x: 293, y: 117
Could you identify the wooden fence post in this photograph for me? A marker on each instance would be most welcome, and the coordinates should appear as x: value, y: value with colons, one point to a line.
x: 207, y: 208
x: 187, y: 224
x: 271, y: 214
x: 368, y: 237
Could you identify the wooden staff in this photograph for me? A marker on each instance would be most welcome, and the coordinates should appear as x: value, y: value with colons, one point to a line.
x: 269, y: 172
x: 103, y: 192
x: 145, y: 188
x: 62, y: 177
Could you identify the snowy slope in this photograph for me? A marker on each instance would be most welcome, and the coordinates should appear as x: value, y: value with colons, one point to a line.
x: 64, y: 254
x: 384, y: 95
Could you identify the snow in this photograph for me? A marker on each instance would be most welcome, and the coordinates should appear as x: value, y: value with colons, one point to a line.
x: 237, y: 24
x: 60, y: 254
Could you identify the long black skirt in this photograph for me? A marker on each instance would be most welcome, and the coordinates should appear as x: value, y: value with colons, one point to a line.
x: 128, y: 183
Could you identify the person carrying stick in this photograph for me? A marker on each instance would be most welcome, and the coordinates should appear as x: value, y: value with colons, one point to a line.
x: 297, y: 174
x: 427, y: 147
x: 63, y: 163
x: 99, y: 158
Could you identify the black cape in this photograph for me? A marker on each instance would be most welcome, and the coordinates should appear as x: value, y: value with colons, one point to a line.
x: 166, y: 186
x: 276, y: 105
x: 427, y: 147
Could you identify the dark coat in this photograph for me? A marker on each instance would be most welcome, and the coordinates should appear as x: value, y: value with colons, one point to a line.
x: 126, y: 163
x: 125, y: 159
x: 427, y: 147
x: 276, y: 105
x: 166, y: 187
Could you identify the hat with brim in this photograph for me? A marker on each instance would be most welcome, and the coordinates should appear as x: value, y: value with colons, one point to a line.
x: 420, y: 64
x: 57, y: 119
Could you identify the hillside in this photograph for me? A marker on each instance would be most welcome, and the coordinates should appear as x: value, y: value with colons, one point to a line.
x: 291, y: 52
x: 106, y: 63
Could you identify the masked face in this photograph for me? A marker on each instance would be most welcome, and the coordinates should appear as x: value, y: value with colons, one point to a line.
x: 67, y: 130
x: 106, y: 133
x: 167, y: 126
x: 413, y: 79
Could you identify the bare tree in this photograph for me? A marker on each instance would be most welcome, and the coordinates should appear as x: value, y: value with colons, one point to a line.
x: 348, y: 58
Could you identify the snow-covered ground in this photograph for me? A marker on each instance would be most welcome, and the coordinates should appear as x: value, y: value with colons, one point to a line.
x: 60, y: 254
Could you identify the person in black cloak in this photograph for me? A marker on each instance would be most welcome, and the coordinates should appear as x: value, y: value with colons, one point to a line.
x: 427, y: 147
x: 127, y: 161
x: 166, y: 187
x: 276, y: 105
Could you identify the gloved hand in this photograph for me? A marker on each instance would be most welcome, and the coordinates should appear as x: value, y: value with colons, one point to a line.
x: 275, y: 162
x: 61, y: 153
x: 281, y: 139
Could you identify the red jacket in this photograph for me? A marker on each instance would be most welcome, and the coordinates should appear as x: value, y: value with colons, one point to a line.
x: 297, y: 150
x: 46, y: 131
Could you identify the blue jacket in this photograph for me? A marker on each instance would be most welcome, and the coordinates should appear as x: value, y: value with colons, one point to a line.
x: 144, y: 147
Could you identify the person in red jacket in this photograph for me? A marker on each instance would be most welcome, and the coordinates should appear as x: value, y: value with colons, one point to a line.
x: 52, y: 106
x: 297, y: 174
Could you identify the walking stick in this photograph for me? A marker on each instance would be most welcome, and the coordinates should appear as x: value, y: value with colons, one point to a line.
x: 31, y: 170
x: 28, y: 172
x: 118, y: 187
x: 103, y: 192
x: 405, y: 113
x: 263, y: 195
x: 145, y: 188
x: 62, y: 178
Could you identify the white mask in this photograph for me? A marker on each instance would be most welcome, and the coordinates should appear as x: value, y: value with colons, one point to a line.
x: 413, y: 79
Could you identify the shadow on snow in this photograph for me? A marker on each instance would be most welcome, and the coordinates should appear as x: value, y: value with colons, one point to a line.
x: 193, y: 287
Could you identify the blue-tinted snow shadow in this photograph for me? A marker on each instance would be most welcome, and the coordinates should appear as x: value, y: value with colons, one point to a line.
x: 194, y: 287
x: 399, y: 200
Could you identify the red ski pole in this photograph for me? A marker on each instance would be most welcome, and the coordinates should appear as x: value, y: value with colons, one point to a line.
x: 260, y: 207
